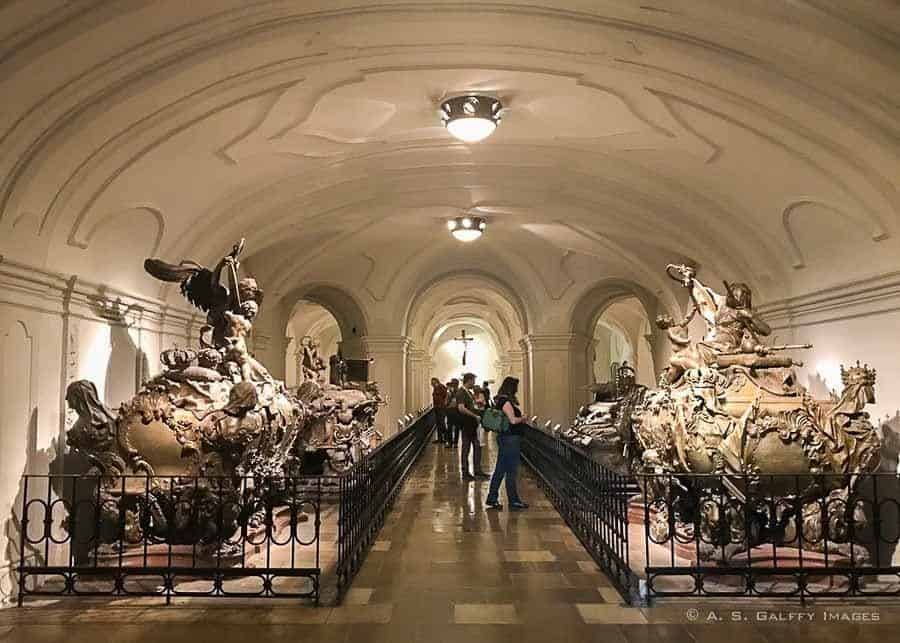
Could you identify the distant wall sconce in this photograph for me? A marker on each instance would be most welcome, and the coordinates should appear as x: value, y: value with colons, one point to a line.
x: 467, y: 228
x: 471, y: 118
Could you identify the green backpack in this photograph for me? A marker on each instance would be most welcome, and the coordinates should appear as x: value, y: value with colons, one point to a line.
x: 495, y: 420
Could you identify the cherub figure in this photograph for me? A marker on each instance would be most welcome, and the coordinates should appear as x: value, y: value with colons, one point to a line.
x: 203, y: 288
x: 684, y: 353
x: 236, y: 331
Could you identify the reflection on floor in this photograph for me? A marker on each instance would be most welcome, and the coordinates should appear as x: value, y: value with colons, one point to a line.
x: 446, y: 570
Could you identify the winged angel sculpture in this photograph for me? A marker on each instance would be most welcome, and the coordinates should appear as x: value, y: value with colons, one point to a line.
x: 230, y: 310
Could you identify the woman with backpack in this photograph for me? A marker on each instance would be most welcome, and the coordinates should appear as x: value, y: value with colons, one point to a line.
x: 509, y: 444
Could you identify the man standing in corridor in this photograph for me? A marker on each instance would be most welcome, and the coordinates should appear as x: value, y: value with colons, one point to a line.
x: 439, y: 404
x: 453, y: 417
x: 470, y: 419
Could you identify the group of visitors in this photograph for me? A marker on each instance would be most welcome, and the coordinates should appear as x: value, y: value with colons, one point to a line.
x: 458, y: 410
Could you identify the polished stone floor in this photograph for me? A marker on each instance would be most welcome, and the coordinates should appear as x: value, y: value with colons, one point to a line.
x: 446, y: 570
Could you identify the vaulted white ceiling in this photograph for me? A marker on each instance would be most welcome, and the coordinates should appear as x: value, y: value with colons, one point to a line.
x: 759, y: 139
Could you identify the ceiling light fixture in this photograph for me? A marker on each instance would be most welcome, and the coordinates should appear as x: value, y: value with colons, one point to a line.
x: 471, y: 118
x: 466, y: 228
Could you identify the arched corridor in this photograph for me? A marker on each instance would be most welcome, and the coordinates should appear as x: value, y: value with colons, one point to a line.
x: 239, y: 239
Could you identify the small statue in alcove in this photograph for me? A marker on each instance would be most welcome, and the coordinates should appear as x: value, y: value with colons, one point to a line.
x: 312, y: 364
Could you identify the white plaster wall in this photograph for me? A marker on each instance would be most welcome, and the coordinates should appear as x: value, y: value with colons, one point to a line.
x: 873, y: 339
x: 50, y: 337
x: 29, y: 420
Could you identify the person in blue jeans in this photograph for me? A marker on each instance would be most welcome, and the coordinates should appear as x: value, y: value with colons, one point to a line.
x: 509, y: 446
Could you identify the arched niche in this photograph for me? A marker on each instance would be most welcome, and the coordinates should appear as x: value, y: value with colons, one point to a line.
x: 343, y: 307
x: 621, y: 335
x: 313, y: 321
x: 630, y: 309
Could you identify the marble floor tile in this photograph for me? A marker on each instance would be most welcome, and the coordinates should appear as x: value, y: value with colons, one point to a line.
x: 485, y: 613
x: 528, y: 556
x: 376, y: 613
x: 545, y: 580
x: 358, y: 596
x: 610, y: 595
x: 605, y: 613
x: 297, y: 616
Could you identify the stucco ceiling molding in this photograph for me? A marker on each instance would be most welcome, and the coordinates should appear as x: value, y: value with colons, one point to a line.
x: 155, y: 214
x: 94, y: 91
x: 799, y: 261
x: 290, y: 271
x: 120, y: 149
x: 213, y: 232
x: 804, y: 157
x: 836, y: 151
x: 671, y: 235
x: 485, y: 7
x: 379, y: 282
x: 643, y: 272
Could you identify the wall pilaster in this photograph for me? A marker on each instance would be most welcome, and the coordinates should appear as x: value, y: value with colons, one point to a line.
x: 549, y: 375
x: 389, y: 370
x: 417, y: 377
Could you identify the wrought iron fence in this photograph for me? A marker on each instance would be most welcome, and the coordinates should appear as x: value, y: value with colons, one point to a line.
x: 208, y: 536
x: 368, y: 491
x: 773, y: 536
x: 591, y: 499
x: 792, y: 536
x: 170, y: 536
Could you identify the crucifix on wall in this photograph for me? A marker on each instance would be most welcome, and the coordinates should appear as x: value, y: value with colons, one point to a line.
x: 465, y: 342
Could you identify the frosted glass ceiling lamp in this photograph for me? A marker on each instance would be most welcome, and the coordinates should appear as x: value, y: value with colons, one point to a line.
x: 471, y: 118
x: 466, y: 228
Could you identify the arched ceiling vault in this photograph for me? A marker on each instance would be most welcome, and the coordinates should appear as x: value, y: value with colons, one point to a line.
x: 468, y: 297
x: 724, y: 133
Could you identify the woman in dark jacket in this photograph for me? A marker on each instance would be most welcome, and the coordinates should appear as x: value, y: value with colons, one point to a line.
x: 509, y: 446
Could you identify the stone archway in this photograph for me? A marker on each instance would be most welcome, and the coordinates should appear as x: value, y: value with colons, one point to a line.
x: 477, y: 299
x: 589, y: 311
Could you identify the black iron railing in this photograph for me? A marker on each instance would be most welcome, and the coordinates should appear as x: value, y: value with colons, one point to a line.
x: 792, y: 536
x: 591, y: 499
x: 787, y: 536
x: 210, y: 536
x: 368, y: 491
x: 170, y: 536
